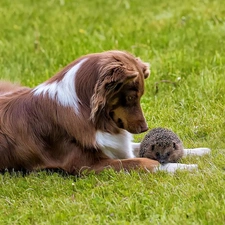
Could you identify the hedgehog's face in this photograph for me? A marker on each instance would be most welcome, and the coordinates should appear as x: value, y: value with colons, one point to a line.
x: 164, y: 154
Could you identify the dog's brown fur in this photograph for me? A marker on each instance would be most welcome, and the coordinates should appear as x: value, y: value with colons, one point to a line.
x: 40, y: 128
x: 6, y: 87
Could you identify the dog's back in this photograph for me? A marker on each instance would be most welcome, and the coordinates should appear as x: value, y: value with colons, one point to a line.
x: 6, y: 87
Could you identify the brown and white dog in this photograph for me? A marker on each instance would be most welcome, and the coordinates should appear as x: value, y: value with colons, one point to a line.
x: 80, y: 119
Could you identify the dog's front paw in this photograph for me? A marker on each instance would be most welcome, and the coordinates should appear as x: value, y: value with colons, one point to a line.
x: 196, y: 151
x: 173, y: 167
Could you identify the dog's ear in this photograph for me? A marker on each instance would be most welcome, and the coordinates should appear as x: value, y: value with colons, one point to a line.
x: 145, y: 67
x: 146, y: 70
x: 111, y: 79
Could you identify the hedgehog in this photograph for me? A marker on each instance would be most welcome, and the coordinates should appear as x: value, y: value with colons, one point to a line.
x: 163, y: 145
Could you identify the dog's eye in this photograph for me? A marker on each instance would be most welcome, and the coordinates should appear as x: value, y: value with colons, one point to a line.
x: 130, y: 98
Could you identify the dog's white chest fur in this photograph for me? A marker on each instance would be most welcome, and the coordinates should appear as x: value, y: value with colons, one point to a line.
x: 115, y: 146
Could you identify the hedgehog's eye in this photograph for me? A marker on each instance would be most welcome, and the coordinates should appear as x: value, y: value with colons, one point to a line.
x: 157, y: 154
x: 174, y: 146
x: 168, y: 154
x: 153, y: 147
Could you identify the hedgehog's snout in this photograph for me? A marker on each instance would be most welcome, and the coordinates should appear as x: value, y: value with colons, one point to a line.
x: 162, y: 161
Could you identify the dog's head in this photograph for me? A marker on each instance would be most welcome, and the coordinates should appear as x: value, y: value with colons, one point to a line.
x: 118, y: 91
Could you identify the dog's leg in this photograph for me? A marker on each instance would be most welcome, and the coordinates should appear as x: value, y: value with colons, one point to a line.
x: 142, y: 164
x: 126, y: 164
x: 187, y: 151
x: 173, y: 167
x: 6, y: 159
x: 196, y: 151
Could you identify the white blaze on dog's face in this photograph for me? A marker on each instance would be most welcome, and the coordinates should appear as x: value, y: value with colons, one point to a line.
x: 120, y: 89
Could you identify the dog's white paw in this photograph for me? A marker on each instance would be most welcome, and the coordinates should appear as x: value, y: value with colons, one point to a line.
x: 196, y: 151
x: 173, y: 167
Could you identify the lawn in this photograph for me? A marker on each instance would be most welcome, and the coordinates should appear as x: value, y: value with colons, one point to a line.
x: 185, y: 43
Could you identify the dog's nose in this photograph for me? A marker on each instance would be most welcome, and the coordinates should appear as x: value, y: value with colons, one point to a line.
x: 144, y: 128
x: 137, y: 127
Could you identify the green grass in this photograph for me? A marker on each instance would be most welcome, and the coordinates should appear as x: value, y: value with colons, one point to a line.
x: 185, y: 43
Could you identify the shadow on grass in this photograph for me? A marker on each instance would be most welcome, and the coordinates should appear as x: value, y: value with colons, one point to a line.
x: 24, y: 172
